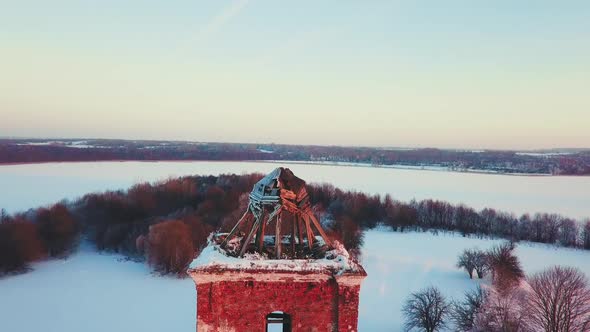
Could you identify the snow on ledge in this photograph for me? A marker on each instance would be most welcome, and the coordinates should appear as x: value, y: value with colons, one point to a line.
x: 337, y: 262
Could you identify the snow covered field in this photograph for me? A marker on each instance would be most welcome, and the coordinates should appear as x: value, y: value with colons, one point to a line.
x: 40, y: 184
x: 102, y: 292
x: 400, y: 263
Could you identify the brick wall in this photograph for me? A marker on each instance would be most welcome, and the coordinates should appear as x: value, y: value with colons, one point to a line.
x: 240, y: 302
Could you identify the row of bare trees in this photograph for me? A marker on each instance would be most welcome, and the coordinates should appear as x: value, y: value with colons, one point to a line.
x: 554, y: 300
x: 167, y: 222
x: 370, y: 210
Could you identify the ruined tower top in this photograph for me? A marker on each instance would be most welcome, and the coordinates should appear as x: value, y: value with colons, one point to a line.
x: 279, y: 199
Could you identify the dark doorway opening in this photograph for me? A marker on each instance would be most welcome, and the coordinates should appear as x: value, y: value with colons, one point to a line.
x: 278, y: 321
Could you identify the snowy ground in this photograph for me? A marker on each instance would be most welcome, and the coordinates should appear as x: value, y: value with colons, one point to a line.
x: 93, y: 292
x: 400, y: 263
x: 101, y: 292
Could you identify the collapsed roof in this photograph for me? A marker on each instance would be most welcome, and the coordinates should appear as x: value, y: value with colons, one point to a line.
x: 279, y: 199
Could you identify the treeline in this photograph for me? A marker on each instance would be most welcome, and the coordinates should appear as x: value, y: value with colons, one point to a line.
x: 31, y: 151
x: 368, y: 211
x: 126, y: 151
x: 167, y: 223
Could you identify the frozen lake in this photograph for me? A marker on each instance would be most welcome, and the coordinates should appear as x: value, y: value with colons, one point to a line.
x: 26, y: 186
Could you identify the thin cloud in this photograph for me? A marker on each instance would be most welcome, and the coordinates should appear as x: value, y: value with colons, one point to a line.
x: 217, y: 22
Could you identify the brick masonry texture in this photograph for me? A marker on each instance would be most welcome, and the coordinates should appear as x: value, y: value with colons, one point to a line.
x: 239, y: 301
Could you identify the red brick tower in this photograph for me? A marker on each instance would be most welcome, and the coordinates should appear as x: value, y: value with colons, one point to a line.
x: 239, y: 294
x: 245, y: 285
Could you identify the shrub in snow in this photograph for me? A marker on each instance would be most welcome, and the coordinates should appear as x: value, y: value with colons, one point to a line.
x: 170, y: 247
x: 425, y: 310
x: 559, y: 300
x: 506, y: 270
x: 463, y: 313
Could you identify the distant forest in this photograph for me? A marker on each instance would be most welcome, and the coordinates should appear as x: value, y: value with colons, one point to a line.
x: 562, y: 162
x: 167, y: 223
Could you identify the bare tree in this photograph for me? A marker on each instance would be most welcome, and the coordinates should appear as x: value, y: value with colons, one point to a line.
x: 505, y: 267
x: 463, y: 313
x: 586, y: 235
x: 559, y: 300
x: 568, y: 232
x: 473, y: 259
x: 482, y: 264
x: 426, y: 310
x: 466, y: 261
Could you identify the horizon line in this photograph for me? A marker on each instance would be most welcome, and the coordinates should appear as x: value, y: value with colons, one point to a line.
x: 474, y: 150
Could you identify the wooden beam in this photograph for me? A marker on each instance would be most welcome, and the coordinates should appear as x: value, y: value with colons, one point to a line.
x: 249, y: 237
x: 300, y: 230
x: 278, y: 236
x: 235, y: 228
x: 310, y: 236
x: 293, y: 227
x: 319, y: 228
x: 260, y: 235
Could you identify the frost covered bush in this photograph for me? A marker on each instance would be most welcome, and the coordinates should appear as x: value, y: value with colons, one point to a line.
x: 505, y: 267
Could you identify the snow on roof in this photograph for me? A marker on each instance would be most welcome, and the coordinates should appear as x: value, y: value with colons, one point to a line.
x: 336, y: 261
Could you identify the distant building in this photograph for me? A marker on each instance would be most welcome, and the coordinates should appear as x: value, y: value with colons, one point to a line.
x: 244, y: 285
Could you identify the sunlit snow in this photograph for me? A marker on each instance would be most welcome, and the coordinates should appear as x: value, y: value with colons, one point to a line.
x: 102, y: 292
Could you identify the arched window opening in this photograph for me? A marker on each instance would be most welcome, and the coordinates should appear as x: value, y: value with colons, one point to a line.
x: 278, y: 321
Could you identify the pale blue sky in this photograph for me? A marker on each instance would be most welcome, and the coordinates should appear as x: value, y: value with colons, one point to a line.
x: 465, y: 74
